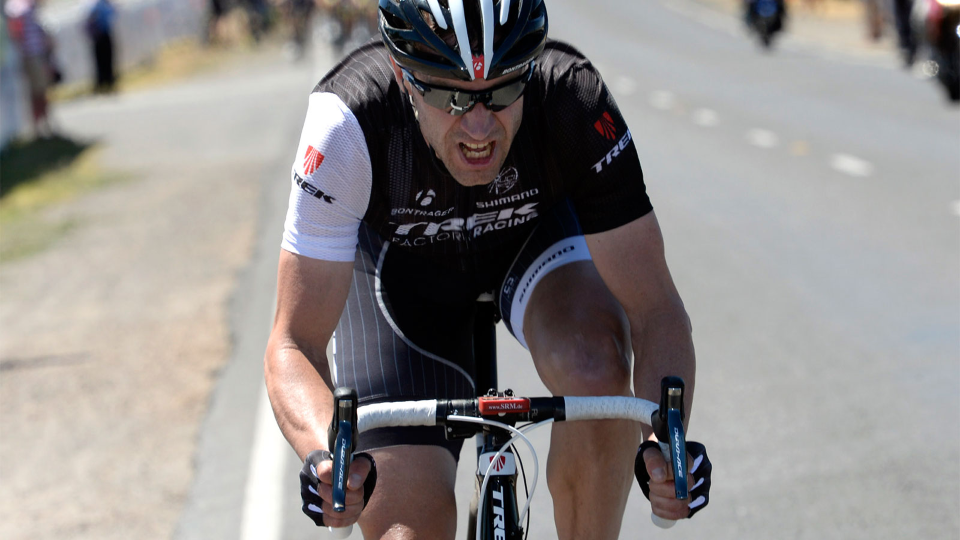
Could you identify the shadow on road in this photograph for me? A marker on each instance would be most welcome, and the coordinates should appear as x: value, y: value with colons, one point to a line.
x: 24, y: 162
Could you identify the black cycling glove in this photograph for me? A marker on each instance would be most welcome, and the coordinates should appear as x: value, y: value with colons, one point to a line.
x: 700, y: 471
x: 312, y: 503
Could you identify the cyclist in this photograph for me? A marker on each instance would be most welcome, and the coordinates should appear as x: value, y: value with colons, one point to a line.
x: 465, y: 153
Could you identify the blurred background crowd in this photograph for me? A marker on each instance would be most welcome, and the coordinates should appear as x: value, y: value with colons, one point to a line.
x: 45, y: 43
x: 88, y: 45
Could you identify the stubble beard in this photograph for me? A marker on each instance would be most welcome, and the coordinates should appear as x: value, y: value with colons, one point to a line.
x: 475, y: 178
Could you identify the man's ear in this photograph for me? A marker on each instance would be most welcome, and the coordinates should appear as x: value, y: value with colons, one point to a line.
x: 396, y: 72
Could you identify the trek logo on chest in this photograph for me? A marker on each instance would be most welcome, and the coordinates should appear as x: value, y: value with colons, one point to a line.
x: 312, y: 189
x: 455, y: 227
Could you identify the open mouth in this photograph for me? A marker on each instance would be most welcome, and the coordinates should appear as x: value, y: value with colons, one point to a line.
x: 477, y: 154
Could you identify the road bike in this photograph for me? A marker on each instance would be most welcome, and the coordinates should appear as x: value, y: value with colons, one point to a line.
x: 493, y: 420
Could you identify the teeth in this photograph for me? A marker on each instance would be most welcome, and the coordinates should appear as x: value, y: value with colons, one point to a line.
x: 476, y: 151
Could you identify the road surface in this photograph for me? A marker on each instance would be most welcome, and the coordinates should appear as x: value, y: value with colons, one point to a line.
x: 809, y: 203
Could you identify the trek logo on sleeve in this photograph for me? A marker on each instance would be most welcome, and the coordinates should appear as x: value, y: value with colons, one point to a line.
x: 606, y: 127
x: 614, y: 152
x: 312, y: 160
x: 312, y: 189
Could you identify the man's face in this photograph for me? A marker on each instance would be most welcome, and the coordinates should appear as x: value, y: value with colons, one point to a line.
x: 472, y: 146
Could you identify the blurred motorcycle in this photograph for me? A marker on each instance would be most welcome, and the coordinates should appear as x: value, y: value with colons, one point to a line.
x: 765, y: 18
x: 938, y: 24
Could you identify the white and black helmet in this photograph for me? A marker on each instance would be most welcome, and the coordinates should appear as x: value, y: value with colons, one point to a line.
x: 464, y: 39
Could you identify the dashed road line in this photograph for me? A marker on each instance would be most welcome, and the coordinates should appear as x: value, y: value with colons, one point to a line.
x: 851, y: 165
x: 663, y: 100
x: 763, y: 138
x: 624, y: 86
x: 956, y: 208
x: 706, y: 117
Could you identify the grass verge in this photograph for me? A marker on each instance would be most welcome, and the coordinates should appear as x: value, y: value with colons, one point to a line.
x: 35, y: 179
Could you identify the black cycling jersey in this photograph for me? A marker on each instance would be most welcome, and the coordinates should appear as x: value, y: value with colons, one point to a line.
x: 572, y: 143
x: 368, y: 189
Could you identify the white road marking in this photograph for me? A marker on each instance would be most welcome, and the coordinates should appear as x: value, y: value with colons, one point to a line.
x: 263, y: 499
x: 706, y: 117
x: 624, y: 86
x: 956, y: 207
x: 851, y: 165
x: 763, y: 138
x: 662, y: 100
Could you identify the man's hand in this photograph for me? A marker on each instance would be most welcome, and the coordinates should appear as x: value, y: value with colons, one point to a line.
x: 660, y: 489
x: 316, y: 488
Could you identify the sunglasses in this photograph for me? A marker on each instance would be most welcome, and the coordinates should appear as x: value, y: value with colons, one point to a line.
x: 457, y: 101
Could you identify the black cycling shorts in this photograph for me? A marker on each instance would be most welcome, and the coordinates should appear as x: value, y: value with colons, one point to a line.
x: 406, y: 330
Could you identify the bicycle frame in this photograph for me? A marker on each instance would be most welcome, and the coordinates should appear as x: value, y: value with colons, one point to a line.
x: 499, y: 515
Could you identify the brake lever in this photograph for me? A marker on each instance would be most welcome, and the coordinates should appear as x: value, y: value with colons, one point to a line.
x: 342, y: 438
x: 667, y: 425
x: 672, y: 414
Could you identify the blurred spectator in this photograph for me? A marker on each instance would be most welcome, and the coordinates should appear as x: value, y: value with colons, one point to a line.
x: 905, y: 37
x: 348, y: 16
x: 214, y: 18
x: 300, y: 17
x: 100, y: 30
x: 36, y: 54
x: 874, y: 19
x: 258, y: 18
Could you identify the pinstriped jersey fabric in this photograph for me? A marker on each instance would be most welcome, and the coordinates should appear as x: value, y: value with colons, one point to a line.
x: 379, y: 358
x: 572, y: 143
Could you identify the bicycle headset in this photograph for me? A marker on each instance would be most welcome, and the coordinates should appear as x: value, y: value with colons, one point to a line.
x: 464, y: 39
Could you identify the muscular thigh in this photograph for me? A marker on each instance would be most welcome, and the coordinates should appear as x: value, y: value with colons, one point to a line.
x: 414, y: 497
x: 555, y: 303
x: 577, y: 332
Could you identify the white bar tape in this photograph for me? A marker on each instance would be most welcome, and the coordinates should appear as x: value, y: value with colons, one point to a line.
x: 339, y: 533
x: 409, y: 413
x: 609, y: 408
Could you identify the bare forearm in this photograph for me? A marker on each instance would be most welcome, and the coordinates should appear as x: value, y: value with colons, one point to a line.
x: 301, y: 397
x: 662, y: 347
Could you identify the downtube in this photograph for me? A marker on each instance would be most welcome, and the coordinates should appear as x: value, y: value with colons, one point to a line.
x: 499, y: 514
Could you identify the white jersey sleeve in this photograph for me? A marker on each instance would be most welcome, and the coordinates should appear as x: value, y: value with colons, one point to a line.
x: 332, y: 179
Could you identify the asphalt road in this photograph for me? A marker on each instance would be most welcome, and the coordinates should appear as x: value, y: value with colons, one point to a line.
x: 809, y: 203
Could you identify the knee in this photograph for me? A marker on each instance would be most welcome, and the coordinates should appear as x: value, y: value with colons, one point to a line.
x: 426, y: 474
x: 592, y: 358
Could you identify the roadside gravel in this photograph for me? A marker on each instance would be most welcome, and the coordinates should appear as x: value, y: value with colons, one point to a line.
x: 111, y: 340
